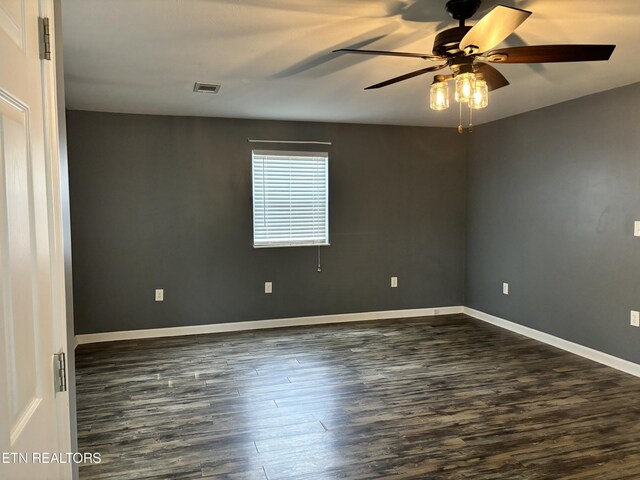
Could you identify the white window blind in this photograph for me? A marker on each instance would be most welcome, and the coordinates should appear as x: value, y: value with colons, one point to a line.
x: 290, y: 198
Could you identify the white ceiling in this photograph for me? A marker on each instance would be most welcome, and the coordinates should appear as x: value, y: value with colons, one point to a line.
x: 273, y: 57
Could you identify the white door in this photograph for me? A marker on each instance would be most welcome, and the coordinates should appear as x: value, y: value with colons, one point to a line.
x: 31, y: 327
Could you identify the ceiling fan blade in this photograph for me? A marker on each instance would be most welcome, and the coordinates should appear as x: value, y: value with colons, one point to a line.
x: 493, y: 28
x: 493, y: 77
x: 550, y: 53
x: 424, y: 56
x: 407, y: 76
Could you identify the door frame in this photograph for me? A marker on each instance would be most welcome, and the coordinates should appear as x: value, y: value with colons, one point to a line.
x: 59, y: 214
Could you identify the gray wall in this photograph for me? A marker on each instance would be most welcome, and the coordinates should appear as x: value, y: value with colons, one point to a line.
x: 165, y: 202
x: 552, y: 199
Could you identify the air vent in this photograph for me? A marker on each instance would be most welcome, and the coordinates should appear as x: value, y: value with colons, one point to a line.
x: 206, y: 87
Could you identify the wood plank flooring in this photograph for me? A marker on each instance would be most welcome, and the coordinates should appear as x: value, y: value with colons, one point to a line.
x: 425, y: 398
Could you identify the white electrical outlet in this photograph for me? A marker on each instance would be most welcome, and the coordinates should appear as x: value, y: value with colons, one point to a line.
x: 636, y: 228
x: 268, y: 287
x: 394, y: 282
x: 159, y: 295
x: 505, y: 288
x: 635, y: 318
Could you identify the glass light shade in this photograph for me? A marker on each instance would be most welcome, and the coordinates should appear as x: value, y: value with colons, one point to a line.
x: 480, y: 97
x: 465, y: 86
x: 439, y: 96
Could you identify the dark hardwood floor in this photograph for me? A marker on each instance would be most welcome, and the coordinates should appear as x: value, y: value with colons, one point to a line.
x: 425, y: 398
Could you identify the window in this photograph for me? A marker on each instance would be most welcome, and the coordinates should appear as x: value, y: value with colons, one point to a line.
x: 290, y: 199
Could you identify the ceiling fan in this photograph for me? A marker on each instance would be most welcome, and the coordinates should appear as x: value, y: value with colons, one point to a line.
x: 465, y: 50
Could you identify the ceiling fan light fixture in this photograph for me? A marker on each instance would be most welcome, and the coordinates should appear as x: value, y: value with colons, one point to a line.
x: 464, y: 49
x: 439, y: 97
x: 480, y: 97
x: 465, y: 86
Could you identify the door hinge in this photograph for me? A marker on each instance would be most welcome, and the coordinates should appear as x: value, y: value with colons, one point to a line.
x: 61, y: 372
x: 45, y: 42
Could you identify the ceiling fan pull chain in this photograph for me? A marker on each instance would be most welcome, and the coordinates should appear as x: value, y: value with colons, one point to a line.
x: 460, y: 128
x: 470, y: 117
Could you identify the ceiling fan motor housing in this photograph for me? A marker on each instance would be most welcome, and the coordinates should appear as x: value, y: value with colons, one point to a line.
x: 447, y: 42
x: 462, y: 9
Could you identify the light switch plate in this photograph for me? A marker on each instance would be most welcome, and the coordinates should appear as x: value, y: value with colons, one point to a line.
x: 505, y: 288
x: 394, y: 282
x: 159, y: 295
x: 636, y: 228
x: 268, y: 287
x: 635, y: 318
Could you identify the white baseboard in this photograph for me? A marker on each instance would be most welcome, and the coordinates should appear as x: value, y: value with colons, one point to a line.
x: 261, y: 324
x: 586, y: 352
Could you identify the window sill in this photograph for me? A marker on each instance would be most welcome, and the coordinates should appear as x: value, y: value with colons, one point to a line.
x: 281, y: 245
